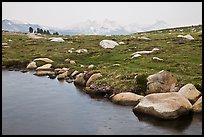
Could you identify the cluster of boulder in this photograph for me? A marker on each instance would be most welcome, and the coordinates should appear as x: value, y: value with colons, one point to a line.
x: 84, y: 79
x: 164, y: 98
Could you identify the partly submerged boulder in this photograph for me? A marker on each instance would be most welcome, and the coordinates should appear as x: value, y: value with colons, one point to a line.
x: 197, y: 106
x: 44, y: 67
x: 164, y: 105
x: 79, y: 80
x: 108, y: 44
x: 44, y: 73
x: 126, y: 98
x: 62, y: 76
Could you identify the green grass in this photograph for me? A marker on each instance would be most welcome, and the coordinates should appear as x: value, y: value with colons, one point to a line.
x: 181, y: 60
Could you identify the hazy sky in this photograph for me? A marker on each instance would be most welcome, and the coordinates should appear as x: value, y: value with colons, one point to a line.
x: 61, y: 14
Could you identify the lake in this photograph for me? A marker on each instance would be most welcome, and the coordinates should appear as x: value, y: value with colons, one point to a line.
x: 33, y: 105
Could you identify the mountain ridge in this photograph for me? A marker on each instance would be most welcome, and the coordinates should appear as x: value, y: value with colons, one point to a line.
x: 89, y: 27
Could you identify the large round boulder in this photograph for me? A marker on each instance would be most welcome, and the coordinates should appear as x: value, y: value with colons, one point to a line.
x: 108, y: 44
x: 126, y: 98
x: 161, y: 82
x: 169, y: 105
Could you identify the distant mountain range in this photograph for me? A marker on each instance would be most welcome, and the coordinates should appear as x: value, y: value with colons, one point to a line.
x: 89, y: 27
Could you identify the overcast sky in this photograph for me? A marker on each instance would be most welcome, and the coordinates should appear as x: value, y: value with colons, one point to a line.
x: 61, y: 14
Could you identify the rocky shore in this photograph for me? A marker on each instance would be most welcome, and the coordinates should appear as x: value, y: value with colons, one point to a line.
x: 163, y: 98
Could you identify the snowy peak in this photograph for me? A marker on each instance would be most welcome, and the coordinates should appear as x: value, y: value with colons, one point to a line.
x: 89, y: 27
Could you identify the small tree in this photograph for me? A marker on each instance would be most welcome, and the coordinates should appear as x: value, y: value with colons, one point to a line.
x: 55, y: 33
x: 30, y: 29
x: 38, y: 30
x: 48, y: 32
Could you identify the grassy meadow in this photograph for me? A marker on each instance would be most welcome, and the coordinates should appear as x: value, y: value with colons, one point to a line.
x: 181, y: 57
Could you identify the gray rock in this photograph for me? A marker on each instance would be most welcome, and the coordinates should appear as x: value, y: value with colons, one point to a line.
x: 79, y: 80
x: 161, y: 82
x: 44, y: 67
x: 108, y: 44
x: 164, y: 105
x: 92, y: 78
x: 197, y: 106
x: 126, y: 98
x: 190, y: 92
x: 47, y: 60
x: 31, y: 65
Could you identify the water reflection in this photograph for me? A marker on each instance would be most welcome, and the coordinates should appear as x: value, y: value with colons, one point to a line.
x: 178, y: 125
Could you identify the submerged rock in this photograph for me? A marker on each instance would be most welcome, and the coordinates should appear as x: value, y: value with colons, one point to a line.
x: 43, y: 73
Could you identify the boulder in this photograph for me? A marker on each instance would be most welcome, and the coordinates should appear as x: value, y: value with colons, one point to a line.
x: 72, y: 62
x: 92, y: 78
x: 33, y: 36
x: 164, y: 105
x: 62, y: 76
x: 81, y: 50
x: 47, y: 60
x: 121, y: 43
x: 43, y: 73
x: 74, y: 73
x: 57, y: 40
x: 91, y: 66
x: 108, y: 44
x: 31, y: 65
x: 190, y: 92
x: 143, y: 38
x: 161, y: 82
x: 79, y: 80
x: 189, y: 37
x: 44, y: 67
x: 126, y: 98
x: 197, y: 106
x: 4, y: 44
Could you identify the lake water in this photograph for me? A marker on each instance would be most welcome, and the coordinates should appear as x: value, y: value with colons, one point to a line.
x: 33, y: 105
